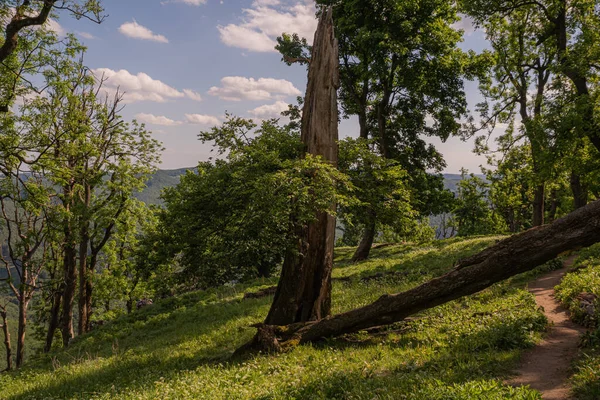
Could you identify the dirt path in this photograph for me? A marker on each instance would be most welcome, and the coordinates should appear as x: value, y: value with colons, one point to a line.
x: 546, y: 367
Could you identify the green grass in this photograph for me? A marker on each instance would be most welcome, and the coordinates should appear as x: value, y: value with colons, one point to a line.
x: 179, y: 348
x: 586, y: 278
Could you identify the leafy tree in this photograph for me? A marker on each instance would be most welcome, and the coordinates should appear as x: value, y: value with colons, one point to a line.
x: 400, y: 74
x: 97, y: 161
x: 380, y: 188
x: 24, y: 203
x: 231, y: 219
x: 473, y: 212
x: 571, y: 30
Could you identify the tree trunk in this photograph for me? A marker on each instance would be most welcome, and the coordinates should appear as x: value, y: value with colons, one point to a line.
x: 304, y: 289
x: 364, y: 247
x: 54, y: 318
x: 538, y: 205
x: 23, y: 303
x: 580, y: 195
x: 514, y: 255
x: 4, y: 315
x: 70, y: 270
x: 83, y: 278
x: 553, y: 206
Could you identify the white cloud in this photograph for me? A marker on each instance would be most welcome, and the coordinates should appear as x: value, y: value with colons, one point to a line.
x: 268, y: 19
x: 86, y: 35
x: 54, y: 26
x: 190, y: 94
x: 139, y: 87
x: 246, y: 38
x: 156, y: 120
x: 466, y: 23
x: 137, y: 31
x: 269, y: 110
x: 237, y: 88
x: 199, y: 119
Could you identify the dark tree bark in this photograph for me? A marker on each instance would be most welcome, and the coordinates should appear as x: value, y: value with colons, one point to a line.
x: 553, y: 206
x: 304, y: 289
x: 364, y: 247
x: 54, y: 318
x: 21, y: 21
x: 580, y: 193
x: 4, y: 315
x: 538, y: 205
x: 23, y: 304
x: 514, y: 255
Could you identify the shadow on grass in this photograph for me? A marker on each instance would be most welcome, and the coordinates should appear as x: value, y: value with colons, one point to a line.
x: 462, y: 370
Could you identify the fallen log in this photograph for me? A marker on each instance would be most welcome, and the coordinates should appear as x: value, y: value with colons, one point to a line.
x: 514, y: 255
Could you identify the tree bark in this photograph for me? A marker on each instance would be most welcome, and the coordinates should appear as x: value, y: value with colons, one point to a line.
x: 538, y: 205
x: 21, y: 330
x: 54, y: 318
x: 580, y: 195
x: 70, y: 270
x: 4, y: 315
x: 514, y: 255
x: 364, y: 247
x: 83, y: 279
x: 304, y: 289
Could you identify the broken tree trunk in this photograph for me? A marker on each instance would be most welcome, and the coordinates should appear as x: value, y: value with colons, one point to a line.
x: 304, y: 289
x: 511, y: 256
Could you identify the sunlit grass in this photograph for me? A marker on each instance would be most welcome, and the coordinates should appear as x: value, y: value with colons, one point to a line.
x: 179, y: 348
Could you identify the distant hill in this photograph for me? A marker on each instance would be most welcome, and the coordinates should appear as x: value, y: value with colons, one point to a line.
x: 170, y: 177
x: 163, y: 178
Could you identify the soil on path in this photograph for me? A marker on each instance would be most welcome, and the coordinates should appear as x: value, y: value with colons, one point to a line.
x: 546, y: 366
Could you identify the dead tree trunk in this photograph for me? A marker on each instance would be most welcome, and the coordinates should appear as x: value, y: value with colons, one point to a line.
x: 304, y: 289
x: 4, y: 315
x: 514, y: 255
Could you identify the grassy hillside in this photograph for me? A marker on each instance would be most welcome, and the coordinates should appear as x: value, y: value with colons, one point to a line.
x: 179, y: 347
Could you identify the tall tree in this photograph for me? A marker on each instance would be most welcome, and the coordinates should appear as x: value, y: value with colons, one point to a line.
x: 24, y: 205
x: 571, y: 29
x: 96, y: 159
x: 517, y: 86
x: 400, y: 74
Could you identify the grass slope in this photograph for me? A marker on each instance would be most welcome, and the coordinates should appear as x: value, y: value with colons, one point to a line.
x: 179, y: 347
x: 585, y: 279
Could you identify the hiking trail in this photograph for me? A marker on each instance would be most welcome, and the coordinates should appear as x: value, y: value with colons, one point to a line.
x: 546, y: 367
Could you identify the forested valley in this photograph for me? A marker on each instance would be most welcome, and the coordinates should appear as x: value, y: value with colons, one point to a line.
x: 300, y: 260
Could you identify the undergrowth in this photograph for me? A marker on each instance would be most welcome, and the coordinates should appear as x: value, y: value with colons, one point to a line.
x: 179, y: 348
x: 585, y: 279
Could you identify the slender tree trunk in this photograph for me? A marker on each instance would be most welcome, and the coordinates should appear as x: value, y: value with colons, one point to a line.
x: 83, y: 279
x: 517, y: 254
x: 553, y: 206
x: 23, y: 304
x: 580, y: 193
x: 5, y: 330
x: 54, y: 318
x: 70, y: 270
x: 89, y: 288
x: 364, y: 247
x: 538, y: 205
x: 304, y: 289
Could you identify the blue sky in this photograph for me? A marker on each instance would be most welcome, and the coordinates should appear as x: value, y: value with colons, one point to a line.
x: 183, y: 63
